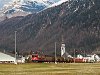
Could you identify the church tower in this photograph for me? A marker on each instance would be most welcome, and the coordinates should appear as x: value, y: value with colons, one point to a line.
x: 62, y: 47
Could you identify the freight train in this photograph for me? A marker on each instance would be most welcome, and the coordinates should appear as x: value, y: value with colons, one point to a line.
x: 45, y: 58
x: 79, y: 59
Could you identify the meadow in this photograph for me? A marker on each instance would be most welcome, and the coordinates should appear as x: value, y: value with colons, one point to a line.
x: 50, y: 69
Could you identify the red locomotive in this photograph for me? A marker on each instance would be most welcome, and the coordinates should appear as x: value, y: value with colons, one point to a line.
x: 37, y: 58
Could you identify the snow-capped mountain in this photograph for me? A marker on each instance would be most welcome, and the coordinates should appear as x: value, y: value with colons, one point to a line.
x: 58, y: 3
x: 25, y: 7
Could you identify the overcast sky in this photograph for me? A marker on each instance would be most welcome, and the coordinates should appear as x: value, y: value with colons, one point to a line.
x: 2, y: 2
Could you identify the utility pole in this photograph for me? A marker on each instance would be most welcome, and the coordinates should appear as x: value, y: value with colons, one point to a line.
x: 55, y: 53
x: 15, y: 47
x: 84, y: 53
x: 74, y: 55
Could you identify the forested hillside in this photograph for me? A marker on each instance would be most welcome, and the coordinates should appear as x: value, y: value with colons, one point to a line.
x: 77, y: 20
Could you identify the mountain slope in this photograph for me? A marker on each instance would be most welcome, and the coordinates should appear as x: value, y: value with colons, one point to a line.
x: 77, y: 20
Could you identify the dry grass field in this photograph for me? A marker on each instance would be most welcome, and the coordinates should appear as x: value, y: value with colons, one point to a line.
x: 50, y: 69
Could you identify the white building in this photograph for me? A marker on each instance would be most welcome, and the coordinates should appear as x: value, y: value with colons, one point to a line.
x: 93, y: 58
x: 5, y: 58
x: 89, y: 58
x: 21, y: 60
